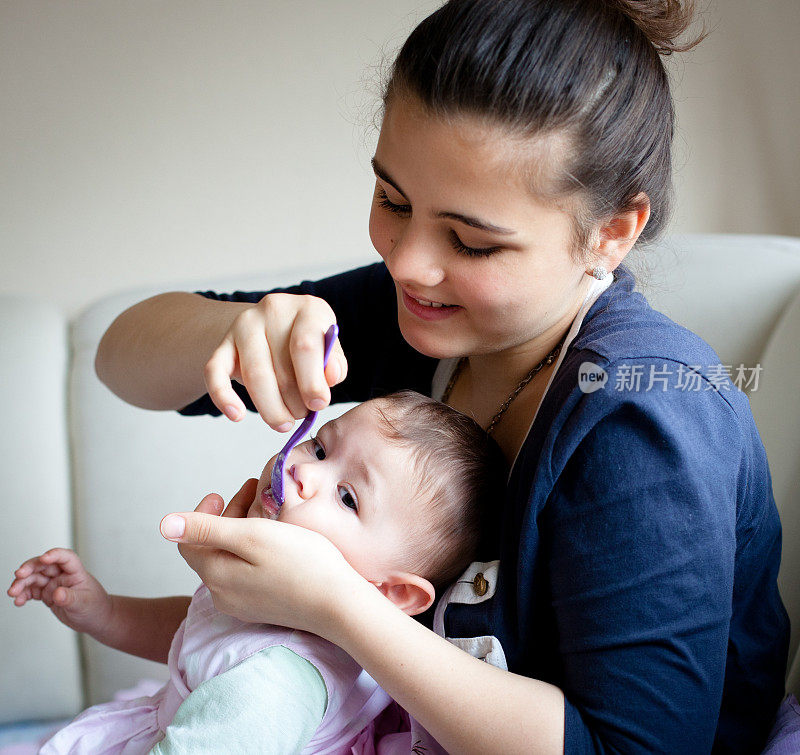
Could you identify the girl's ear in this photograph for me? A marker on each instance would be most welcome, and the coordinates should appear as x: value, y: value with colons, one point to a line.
x: 618, y: 234
x: 410, y: 593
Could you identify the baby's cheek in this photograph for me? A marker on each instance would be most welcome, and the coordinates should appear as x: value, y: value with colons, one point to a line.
x: 305, y: 515
x: 265, y: 480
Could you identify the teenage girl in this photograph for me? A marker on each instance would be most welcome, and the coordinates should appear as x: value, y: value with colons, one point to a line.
x: 626, y: 600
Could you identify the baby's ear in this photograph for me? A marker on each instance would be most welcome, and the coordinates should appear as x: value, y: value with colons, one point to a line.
x: 410, y: 593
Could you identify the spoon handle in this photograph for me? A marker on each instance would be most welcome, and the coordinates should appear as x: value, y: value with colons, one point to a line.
x: 277, y: 476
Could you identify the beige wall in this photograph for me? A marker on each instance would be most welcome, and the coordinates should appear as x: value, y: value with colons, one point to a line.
x: 155, y: 140
x: 737, y: 95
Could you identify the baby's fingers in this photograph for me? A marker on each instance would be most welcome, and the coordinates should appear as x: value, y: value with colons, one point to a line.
x: 27, y: 588
x: 18, y: 592
x: 26, y: 582
x: 28, y: 567
x: 63, y: 559
x: 57, y: 595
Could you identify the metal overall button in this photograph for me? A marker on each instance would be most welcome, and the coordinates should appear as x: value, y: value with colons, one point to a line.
x: 480, y: 585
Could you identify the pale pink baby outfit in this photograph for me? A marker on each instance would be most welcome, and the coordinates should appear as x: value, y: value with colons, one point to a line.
x: 207, y: 645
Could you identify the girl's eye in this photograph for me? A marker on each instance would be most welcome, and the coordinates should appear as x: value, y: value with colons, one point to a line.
x: 458, y: 245
x: 347, y: 498
x: 471, y: 251
x: 397, y: 209
x: 317, y: 449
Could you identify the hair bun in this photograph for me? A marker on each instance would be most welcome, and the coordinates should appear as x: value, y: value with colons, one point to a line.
x: 663, y: 22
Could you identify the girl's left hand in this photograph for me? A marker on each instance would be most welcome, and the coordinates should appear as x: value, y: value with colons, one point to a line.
x: 260, y: 570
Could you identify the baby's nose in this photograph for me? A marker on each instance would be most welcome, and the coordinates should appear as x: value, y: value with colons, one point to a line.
x: 301, y: 480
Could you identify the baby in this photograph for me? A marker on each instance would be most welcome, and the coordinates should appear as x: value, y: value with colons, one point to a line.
x: 399, y: 485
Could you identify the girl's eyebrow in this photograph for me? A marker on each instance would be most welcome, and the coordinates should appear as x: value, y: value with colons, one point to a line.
x: 481, y: 225
x: 381, y: 173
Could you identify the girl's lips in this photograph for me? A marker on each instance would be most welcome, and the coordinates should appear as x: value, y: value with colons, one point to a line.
x: 269, y: 504
x: 432, y: 311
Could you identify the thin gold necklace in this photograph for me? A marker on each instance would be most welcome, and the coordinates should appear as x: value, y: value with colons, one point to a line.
x: 548, y: 360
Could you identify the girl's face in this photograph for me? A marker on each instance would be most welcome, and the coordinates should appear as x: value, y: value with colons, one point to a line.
x: 480, y: 265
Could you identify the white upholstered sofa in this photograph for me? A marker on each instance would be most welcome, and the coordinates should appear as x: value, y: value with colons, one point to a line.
x: 82, y: 469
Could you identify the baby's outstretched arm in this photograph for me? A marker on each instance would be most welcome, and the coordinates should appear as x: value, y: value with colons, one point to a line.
x: 140, y: 626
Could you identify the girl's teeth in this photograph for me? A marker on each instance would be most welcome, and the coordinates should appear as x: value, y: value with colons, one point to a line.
x: 429, y: 303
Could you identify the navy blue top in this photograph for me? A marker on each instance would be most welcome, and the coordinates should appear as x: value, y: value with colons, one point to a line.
x: 638, y: 539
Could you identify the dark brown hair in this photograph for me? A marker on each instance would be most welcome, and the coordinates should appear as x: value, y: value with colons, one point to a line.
x: 588, y: 72
x: 458, y: 470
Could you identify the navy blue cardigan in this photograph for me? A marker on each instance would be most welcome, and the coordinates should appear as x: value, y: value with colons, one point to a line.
x: 638, y: 539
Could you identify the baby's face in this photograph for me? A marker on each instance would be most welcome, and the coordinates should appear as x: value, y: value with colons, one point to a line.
x: 351, y: 485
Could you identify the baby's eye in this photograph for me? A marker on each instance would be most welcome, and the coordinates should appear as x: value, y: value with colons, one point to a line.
x: 347, y: 498
x: 317, y: 449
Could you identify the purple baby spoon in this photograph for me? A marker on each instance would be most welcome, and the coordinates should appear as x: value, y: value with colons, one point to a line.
x: 276, y: 479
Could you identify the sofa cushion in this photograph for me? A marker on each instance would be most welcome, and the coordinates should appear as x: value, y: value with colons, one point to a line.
x: 776, y: 409
x: 38, y: 655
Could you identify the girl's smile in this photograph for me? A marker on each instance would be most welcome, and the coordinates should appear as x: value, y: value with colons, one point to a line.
x: 426, y: 309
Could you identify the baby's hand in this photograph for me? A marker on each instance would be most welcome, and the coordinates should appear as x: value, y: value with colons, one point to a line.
x: 60, y: 581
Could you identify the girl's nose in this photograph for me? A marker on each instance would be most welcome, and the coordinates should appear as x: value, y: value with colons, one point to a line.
x: 416, y: 260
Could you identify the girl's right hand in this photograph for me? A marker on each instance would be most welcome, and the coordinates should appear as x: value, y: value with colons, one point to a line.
x: 59, y: 579
x: 275, y: 349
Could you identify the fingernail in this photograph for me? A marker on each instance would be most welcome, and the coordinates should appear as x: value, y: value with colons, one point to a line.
x: 334, y: 372
x: 173, y: 527
x: 285, y: 427
x: 316, y: 404
x: 231, y: 412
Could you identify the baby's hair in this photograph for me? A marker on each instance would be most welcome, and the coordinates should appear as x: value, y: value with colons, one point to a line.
x: 459, y: 471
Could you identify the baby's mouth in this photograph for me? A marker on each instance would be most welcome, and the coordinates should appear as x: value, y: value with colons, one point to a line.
x: 269, y: 505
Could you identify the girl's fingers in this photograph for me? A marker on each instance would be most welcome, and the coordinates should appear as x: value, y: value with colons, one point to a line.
x: 258, y: 376
x: 275, y: 349
x: 218, y: 371
x: 241, y: 502
x: 211, y: 504
x: 285, y: 372
x: 225, y: 533
x: 336, y: 371
x: 307, y: 348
